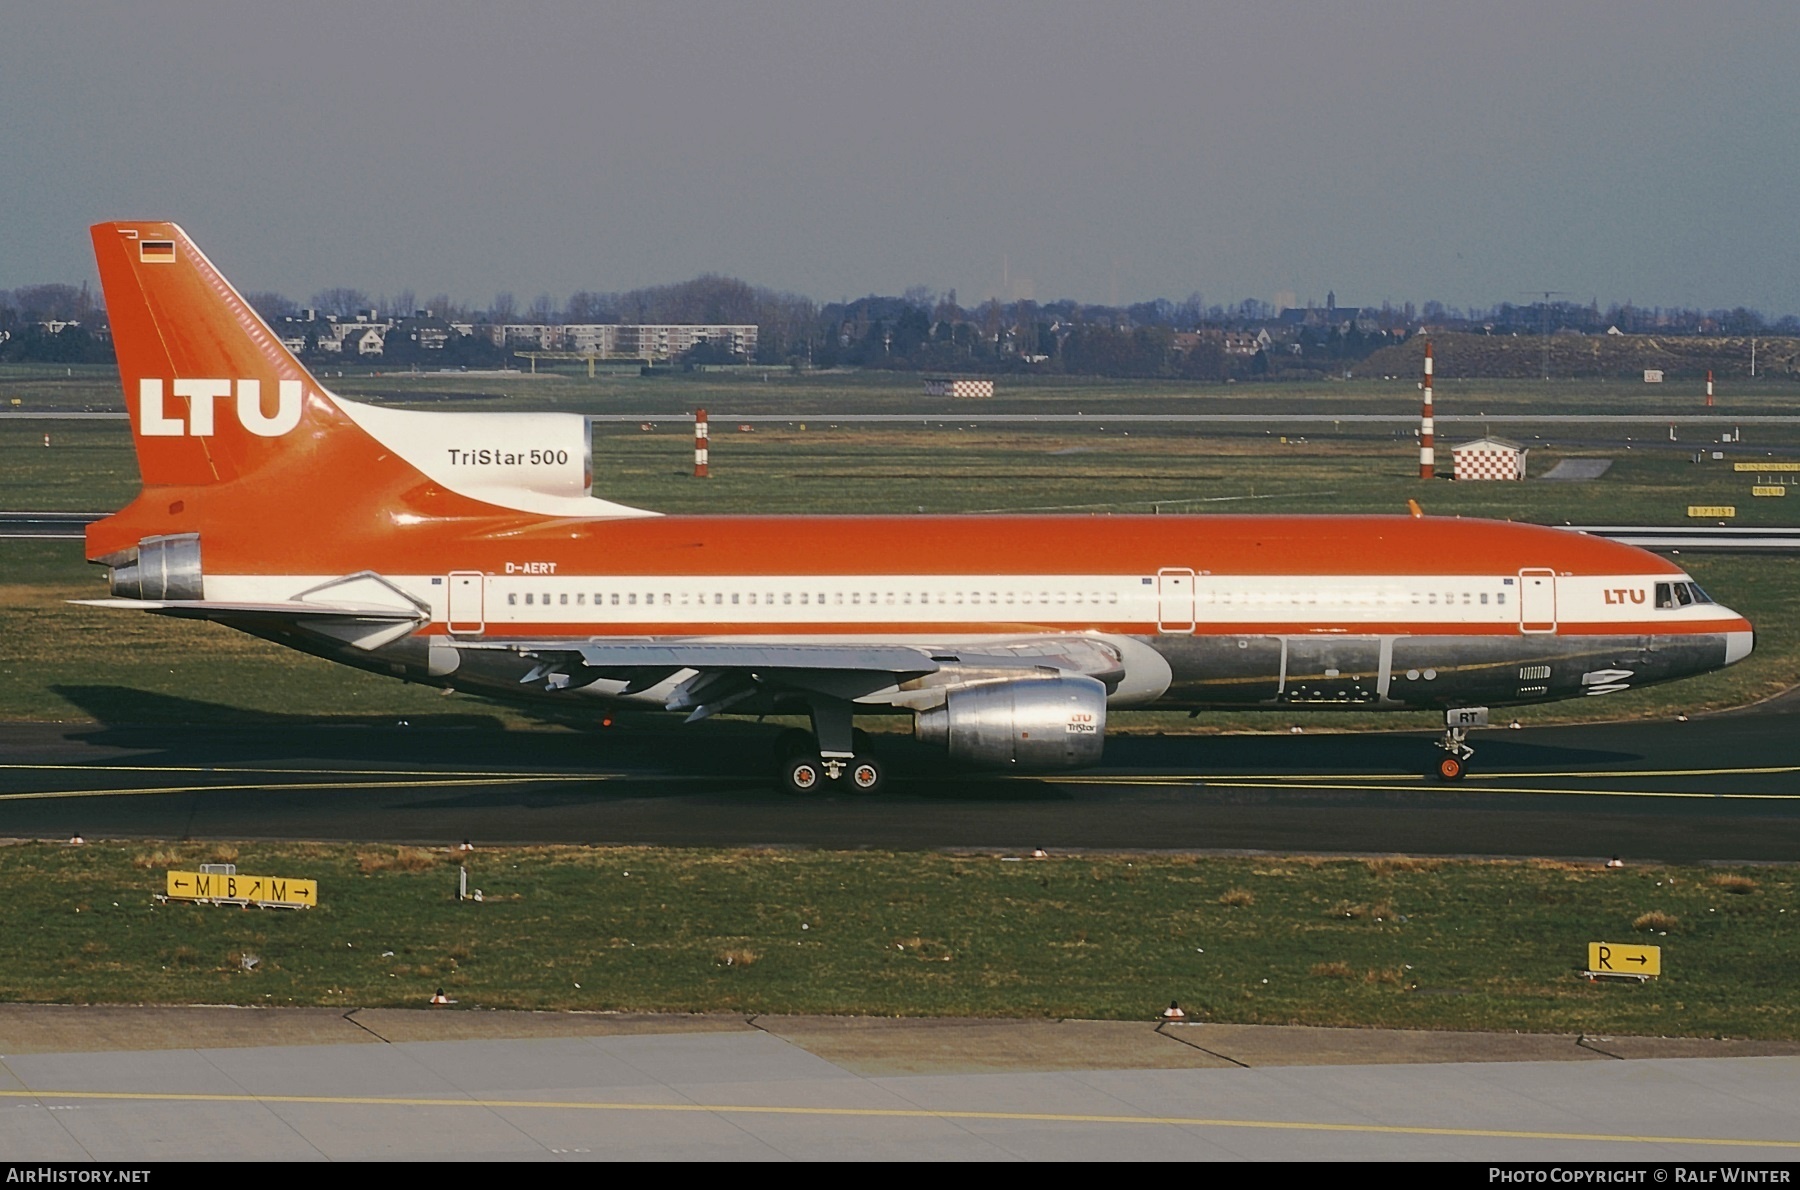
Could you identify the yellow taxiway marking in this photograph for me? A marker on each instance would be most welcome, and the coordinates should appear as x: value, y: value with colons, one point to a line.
x: 1745, y: 771
x: 899, y: 1113
x: 1264, y: 783
x: 1586, y: 774
x: 40, y: 794
x: 232, y: 768
x: 1414, y: 785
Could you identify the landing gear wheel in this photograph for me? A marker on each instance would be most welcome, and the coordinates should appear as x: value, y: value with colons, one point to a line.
x: 803, y: 775
x: 1451, y: 768
x: 866, y: 774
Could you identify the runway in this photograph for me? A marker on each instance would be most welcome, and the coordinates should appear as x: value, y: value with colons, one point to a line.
x: 1719, y: 789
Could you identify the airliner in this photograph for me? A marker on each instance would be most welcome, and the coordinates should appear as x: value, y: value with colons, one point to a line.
x: 467, y: 551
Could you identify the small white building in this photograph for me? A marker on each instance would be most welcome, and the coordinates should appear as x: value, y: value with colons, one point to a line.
x: 1489, y: 458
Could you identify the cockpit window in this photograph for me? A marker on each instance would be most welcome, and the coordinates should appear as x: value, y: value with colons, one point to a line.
x: 1672, y: 595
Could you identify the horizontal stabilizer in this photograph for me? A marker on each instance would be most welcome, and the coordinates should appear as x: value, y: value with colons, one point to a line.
x: 204, y: 609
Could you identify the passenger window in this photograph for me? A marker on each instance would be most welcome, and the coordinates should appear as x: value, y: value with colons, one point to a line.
x: 734, y: 598
x: 630, y: 599
x: 787, y: 598
x: 513, y: 599
x: 564, y: 600
x: 856, y: 598
x: 667, y: 599
x: 528, y: 599
x: 1432, y: 599
x: 1500, y: 598
x: 615, y: 599
x: 1484, y: 596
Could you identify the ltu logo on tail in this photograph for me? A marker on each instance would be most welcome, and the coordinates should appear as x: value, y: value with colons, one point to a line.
x: 154, y: 420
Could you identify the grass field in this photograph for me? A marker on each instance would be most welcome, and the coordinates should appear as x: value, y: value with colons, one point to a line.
x: 1397, y: 943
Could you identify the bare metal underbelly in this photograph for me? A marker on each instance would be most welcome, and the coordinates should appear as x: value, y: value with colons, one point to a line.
x: 1388, y: 672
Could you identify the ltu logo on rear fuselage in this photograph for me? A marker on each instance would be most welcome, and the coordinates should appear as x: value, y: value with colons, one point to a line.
x: 154, y: 420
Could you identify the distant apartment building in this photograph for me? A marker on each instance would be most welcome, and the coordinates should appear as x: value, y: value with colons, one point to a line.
x: 662, y: 341
x: 592, y: 338
x: 654, y: 342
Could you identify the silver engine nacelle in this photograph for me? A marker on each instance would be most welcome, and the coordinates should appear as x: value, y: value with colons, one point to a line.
x: 166, y: 567
x: 1029, y: 723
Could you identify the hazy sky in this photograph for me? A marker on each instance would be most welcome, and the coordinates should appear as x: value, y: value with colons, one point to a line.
x: 1465, y: 152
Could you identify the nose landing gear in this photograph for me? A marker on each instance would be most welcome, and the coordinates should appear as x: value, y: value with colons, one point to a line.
x: 1455, y: 742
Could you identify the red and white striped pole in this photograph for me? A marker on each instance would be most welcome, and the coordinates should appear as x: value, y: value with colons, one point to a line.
x: 700, y: 471
x: 1709, y: 395
x: 1427, y: 456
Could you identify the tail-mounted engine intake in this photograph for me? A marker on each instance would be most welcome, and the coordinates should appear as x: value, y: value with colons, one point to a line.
x: 158, y: 568
x: 1029, y: 723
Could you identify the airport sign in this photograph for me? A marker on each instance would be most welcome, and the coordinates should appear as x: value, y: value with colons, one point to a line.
x: 1712, y: 510
x: 1619, y: 958
x: 220, y: 888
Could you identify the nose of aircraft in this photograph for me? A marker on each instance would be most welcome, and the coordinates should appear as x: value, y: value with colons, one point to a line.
x: 1739, y: 643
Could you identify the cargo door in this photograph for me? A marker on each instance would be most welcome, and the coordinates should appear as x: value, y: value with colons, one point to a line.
x: 468, y: 612
x: 1174, y: 600
x: 1537, y: 600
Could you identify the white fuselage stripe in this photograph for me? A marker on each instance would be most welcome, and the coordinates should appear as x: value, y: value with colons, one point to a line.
x: 1053, y: 601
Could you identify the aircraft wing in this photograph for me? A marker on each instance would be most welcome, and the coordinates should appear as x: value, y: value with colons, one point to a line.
x: 722, y: 675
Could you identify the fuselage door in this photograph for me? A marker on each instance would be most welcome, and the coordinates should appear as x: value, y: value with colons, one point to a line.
x: 1174, y: 600
x: 467, y: 607
x: 1537, y: 600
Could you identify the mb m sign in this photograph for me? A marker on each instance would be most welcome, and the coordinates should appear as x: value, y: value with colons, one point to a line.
x: 234, y: 888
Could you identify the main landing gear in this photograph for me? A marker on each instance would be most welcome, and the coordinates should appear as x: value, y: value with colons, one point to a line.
x: 1457, y: 753
x: 833, y: 756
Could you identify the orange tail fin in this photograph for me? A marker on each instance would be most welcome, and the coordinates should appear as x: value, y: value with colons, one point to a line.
x: 209, y: 387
